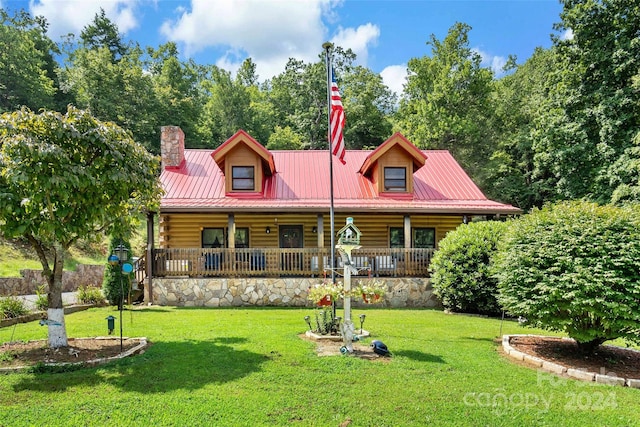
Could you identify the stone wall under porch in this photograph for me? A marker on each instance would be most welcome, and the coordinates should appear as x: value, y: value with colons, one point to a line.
x: 278, y: 292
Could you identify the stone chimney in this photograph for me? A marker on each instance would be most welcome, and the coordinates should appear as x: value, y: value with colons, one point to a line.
x: 171, y: 147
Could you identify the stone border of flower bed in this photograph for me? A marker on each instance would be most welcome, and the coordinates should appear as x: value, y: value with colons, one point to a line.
x: 558, y: 369
x: 138, y: 349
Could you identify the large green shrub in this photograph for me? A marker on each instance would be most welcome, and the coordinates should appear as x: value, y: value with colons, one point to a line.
x: 115, y: 284
x: 461, y: 275
x: 574, y: 267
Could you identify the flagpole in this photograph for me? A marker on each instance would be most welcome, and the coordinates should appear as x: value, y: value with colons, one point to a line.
x: 327, y: 47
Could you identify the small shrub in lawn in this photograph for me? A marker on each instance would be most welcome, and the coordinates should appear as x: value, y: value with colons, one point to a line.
x: 11, y: 307
x: 115, y: 285
x: 42, y: 299
x: 461, y: 275
x: 90, y: 295
x: 574, y: 267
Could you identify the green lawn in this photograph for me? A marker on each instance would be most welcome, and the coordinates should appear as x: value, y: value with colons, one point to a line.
x: 16, y: 257
x: 247, y: 367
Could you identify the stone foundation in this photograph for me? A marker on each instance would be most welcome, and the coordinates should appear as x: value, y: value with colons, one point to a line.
x: 281, y: 292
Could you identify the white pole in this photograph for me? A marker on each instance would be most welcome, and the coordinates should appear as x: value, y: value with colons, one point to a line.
x: 348, y: 329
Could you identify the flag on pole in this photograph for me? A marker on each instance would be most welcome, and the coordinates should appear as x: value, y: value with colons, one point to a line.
x: 336, y: 121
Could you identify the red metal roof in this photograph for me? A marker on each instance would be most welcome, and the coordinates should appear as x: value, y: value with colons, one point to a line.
x: 301, y: 183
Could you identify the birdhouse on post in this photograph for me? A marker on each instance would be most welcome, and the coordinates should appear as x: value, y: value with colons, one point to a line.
x: 349, y: 235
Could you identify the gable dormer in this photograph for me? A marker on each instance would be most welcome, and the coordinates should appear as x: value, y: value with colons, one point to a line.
x: 391, y: 166
x: 244, y: 162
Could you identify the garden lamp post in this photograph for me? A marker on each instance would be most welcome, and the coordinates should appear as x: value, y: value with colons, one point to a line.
x: 362, y: 317
x: 119, y: 257
x: 308, y: 320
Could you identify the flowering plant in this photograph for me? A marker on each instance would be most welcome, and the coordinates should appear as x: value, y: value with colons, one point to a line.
x: 318, y: 292
x: 371, y: 292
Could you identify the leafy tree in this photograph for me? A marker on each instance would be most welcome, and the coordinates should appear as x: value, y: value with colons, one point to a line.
x: 103, y: 33
x: 284, y: 139
x: 121, y: 92
x: 69, y: 177
x: 518, y: 174
x: 108, y: 78
x: 593, y: 112
x: 447, y: 102
x: 226, y: 109
x: 27, y: 68
x: 298, y: 97
x: 178, y: 95
x: 369, y: 104
x: 574, y: 267
x: 461, y: 275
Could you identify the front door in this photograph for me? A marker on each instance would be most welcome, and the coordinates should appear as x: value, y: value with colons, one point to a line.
x: 291, y: 238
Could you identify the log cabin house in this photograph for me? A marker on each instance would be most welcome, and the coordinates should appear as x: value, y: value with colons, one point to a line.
x: 244, y: 211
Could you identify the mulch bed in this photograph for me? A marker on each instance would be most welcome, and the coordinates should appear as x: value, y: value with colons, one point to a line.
x: 609, y: 360
x: 79, y: 350
x: 332, y: 348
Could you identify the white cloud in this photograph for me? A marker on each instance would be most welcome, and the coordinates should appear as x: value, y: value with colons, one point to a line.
x: 567, y: 35
x: 270, y: 32
x: 395, y: 76
x: 71, y: 16
x: 495, y: 62
x: 358, y: 40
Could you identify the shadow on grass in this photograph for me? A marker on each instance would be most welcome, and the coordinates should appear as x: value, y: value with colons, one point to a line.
x: 165, y: 366
x: 419, y: 356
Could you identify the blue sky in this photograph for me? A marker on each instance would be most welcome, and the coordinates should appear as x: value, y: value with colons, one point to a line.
x: 385, y: 34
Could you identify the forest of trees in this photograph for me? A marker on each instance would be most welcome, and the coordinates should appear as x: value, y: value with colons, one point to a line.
x: 564, y: 124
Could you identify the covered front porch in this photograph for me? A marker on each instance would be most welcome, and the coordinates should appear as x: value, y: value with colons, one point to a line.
x: 288, y: 262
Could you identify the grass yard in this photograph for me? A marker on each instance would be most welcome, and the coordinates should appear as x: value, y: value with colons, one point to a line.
x: 247, y: 367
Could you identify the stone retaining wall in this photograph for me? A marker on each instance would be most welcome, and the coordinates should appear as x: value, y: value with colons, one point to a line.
x: 85, y: 275
x: 283, y: 292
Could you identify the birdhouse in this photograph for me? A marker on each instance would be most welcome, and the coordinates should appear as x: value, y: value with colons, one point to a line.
x: 349, y: 234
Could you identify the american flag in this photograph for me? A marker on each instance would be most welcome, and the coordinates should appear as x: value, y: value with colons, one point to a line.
x: 337, y: 120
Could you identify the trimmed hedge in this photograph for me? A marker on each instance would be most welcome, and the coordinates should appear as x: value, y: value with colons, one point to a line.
x: 461, y: 275
x: 574, y: 267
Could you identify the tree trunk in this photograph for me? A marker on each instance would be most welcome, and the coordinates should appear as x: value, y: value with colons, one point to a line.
x: 588, y: 347
x: 55, y: 313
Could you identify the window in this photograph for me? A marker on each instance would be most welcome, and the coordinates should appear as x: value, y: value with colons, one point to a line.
x: 242, y: 237
x: 395, y: 179
x: 420, y: 237
x: 423, y: 237
x: 396, y: 237
x: 242, y: 178
x: 213, y: 238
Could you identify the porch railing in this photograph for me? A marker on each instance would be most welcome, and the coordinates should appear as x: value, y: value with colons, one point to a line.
x: 275, y: 262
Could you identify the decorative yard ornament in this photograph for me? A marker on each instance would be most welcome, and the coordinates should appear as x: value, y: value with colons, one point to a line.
x: 349, y: 234
x: 380, y: 348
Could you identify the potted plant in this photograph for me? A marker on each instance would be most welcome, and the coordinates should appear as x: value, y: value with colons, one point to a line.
x: 324, y: 294
x: 372, y: 292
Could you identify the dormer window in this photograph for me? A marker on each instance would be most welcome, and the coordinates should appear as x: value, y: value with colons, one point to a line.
x: 243, y: 178
x: 395, y: 179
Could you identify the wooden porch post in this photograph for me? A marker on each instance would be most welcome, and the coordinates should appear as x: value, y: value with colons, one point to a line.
x: 149, y: 263
x: 407, y: 245
x: 232, y: 231
x: 407, y: 231
x: 320, y: 231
